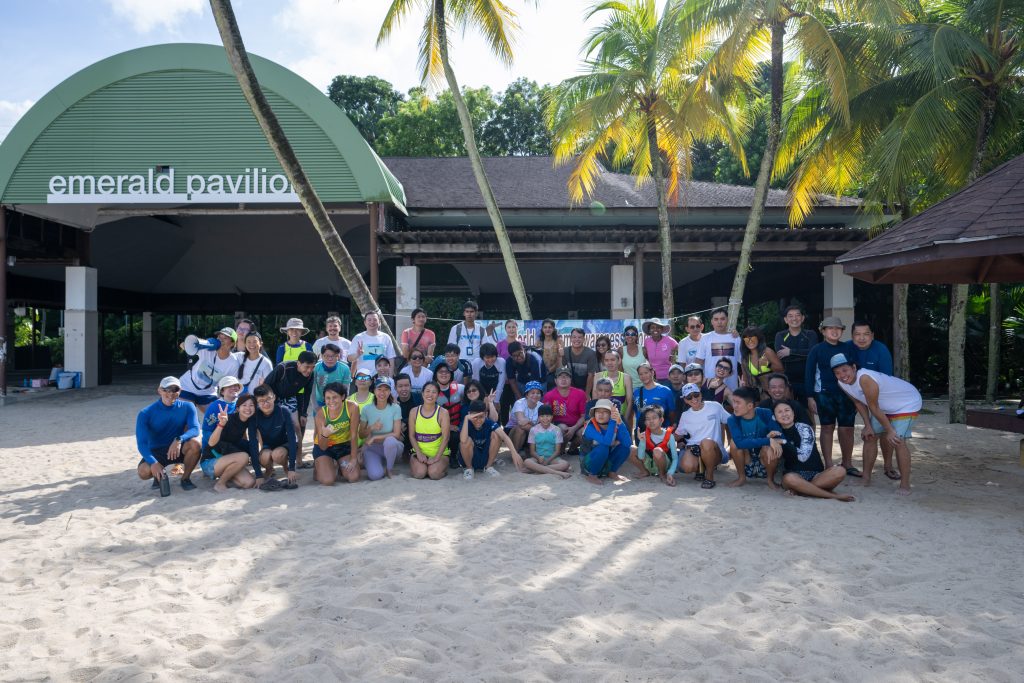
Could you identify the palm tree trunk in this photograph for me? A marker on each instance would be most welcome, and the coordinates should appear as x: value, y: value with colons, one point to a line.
x: 504, y: 243
x: 995, y: 320
x: 764, y: 175
x: 664, y: 232
x: 224, y: 15
x: 958, y: 298
x: 901, y: 338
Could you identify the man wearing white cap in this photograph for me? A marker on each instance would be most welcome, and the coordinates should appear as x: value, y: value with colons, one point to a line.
x: 703, y: 428
x: 167, y: 431
x: 888, y: 405
x: 290, y: 350
x: 212, y: 362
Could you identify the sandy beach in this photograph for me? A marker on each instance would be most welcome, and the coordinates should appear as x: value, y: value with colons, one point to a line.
x: 516, y: 578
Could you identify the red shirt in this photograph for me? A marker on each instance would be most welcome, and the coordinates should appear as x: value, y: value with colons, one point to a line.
x: 567, y: 409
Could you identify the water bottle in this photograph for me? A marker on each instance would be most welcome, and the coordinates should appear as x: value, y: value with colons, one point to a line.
x: 165, y: 484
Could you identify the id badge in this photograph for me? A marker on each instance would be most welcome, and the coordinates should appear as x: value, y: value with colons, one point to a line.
x: 469, y: 351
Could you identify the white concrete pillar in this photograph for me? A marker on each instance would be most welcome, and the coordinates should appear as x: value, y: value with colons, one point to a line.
x: 622, y: 292
x: 81, y: 324
x: 838, y: 296
x: 407, y: 296
x: 147, y: 338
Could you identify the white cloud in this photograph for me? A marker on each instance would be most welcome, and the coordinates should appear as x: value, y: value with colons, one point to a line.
x: 145, y: 15
x: 324, y: 38
x: 10, y: 112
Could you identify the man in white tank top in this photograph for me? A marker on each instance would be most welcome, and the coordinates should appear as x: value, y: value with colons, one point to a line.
x: 888, y: 406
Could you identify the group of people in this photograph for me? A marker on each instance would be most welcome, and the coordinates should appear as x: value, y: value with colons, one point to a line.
x: 666, y: 406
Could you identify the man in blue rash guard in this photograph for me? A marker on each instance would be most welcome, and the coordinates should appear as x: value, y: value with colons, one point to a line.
x: 167, y: 431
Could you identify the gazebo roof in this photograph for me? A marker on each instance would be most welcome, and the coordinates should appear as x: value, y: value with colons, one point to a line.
x: 975, y: 235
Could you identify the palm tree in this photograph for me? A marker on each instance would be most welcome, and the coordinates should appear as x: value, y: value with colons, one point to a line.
x: 755, y: 29
x: 497, y: 23
x: 640, y: 103
x: 224, y: 15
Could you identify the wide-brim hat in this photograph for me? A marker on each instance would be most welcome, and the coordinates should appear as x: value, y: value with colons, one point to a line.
x: 655, y: 321
x: 227, y: 381
x: 832, y: 321
x: 295, y: 324
x: 602, y: 404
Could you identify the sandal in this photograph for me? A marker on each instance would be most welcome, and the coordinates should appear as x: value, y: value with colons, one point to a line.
x: 892, y: 474
x: 287, y: 485
x: 270, y: 485
x: 707, y: 484
x: 853, y: 472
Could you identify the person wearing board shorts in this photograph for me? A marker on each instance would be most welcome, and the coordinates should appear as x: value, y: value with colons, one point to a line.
x: 888, y: 406
x: 167, y: 431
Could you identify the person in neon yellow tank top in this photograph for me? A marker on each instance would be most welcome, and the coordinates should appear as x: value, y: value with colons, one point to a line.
x: 291, y: 349
x: 429, y: 431
x: 622, y: 384
x: 336, y: 448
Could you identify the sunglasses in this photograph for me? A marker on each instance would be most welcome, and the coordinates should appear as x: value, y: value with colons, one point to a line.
x: 630, y: 334
x: 416, y: 358
x: 693, y: 327
x: 748, y: 338
x: 722, y: 367
x: 362, y: 378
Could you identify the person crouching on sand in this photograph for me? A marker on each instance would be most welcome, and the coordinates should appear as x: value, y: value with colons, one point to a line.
x: 805, y: 472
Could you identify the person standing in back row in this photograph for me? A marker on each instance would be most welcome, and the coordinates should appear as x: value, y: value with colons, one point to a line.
x: 827, y: 400
x: 659, y: 348
x: 468, y: 335
x: 792, y: 346
x: 581, y: 361
x: 294, y: 345
x: 721, y: 343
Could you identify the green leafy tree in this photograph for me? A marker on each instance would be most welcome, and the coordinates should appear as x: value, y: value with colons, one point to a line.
x: 367, y: 101
x: 497, y: 24
x: 639, y: 102
x: 425, y: 127
x: 518, y: 126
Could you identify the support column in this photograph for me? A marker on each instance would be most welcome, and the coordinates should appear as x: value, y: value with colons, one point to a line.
x: 622, y: 292
x: 838, y: 296
x: 407, y: 296
x: 81, y: 324
x: 147, y: 338
x: 638, y: 282
x: 3, y: 302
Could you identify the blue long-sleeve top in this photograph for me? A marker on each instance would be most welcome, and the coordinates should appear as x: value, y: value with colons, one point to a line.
x: 158, y: 425
x: 819, y: 370
x: 753, y: 433
x: 608, y: 435
x: 641, y: 448
x: 277, y: 428
x: 876, y: 357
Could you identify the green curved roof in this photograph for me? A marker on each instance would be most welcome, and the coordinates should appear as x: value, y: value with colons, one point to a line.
x: 179, y: 106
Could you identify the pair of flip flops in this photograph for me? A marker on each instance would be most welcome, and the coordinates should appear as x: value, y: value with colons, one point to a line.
x: 278, y: 485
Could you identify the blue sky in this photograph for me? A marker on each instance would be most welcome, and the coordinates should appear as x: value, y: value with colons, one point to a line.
x: 45, y: 41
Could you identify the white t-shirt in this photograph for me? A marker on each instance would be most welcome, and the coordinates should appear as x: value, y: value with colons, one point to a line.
x: 202, y: 377
x: 716, y: 346
x: 341, y: 343
x: 418, y: 381
x: 253, y: 372
x: 690, y: 351
x: 468, y: 340
x: 895, y: 396
x: 522, y: 406
x: 705, y: 423
x: 374, y: 346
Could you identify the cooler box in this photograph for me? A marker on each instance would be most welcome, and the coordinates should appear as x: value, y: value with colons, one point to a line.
x: 69, y: 380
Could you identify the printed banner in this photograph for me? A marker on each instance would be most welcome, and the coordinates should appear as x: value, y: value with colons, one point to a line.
x: 529, y: 330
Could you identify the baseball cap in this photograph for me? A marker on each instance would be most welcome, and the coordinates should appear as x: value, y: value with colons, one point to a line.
x: 362, y: 374
x: 168, y: 382
x: 693, y: 367
x: 676, y: 366
x: 227, y: 331
x: 381, y: 382
x: 690, y: 389
x: 839, y: 359
x: 563, y: 371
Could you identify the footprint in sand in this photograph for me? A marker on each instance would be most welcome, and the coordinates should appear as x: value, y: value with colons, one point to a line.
x: 32, y: 624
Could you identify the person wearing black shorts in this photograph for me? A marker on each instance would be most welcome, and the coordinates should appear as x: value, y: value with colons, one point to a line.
x: 166, y: 432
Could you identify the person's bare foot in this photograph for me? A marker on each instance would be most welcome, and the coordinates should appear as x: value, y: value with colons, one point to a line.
x: 220, y: 487
x: 594, y: 480
x: 902, y: 491
x: 772, y: 485
x: 738, y: 482
x: 669, y: 480
x: 565, y: 475
x: 615, y: 476
x: 846, y: 498
x: 865, y: 480
x: 642, y: 474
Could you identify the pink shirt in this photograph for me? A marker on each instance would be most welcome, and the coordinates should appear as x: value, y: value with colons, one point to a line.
x: 567, y: 409
x: 428, y: 339
x: 658, y: 354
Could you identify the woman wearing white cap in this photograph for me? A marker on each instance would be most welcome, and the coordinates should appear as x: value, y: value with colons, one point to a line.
x: 199, y: 384
x: 291, y: 349
x: 228, y: 389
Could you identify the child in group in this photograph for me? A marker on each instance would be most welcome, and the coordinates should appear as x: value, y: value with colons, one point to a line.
x: 383, y: 367
x: 805, y: 472
x: 489, y: 370
x: 525, y: 413
x: 753, y: 451
x: 655, y: 451
x: 545, y: 445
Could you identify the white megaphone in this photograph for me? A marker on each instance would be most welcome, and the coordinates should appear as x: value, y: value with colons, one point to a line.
x: 193, y: 345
